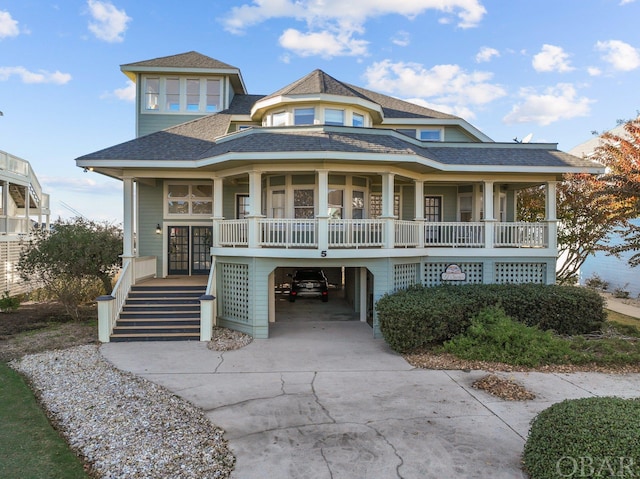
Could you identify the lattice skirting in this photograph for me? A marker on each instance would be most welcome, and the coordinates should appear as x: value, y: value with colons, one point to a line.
x: 433, y: 273
x: 234, y: 279
x: 9, y: 278
x: 405, y: 275
x: 520, y: 273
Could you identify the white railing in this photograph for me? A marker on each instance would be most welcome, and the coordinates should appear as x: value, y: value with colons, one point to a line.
x: 521, y: 235
x: 18, y: 166
x: 109, y: 306
x: 234, y: 233
x: 407, y: 233
x: 454, y: 234
x: 356, y: 233
x: 288, y: 233
x: 145, y: 267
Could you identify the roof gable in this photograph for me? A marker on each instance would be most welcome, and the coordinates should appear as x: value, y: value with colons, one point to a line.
x: 190, y: 59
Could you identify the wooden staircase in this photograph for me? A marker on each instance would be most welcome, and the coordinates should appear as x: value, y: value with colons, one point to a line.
x: 160, y: 313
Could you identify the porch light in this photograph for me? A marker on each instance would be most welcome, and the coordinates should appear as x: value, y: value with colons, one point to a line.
x: 158, y: 229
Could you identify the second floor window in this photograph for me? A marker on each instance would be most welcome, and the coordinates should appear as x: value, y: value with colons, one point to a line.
x: 190, y: 199
x: 303, y: 116
x: 357, y: 120
x: 333, y: 117
x: 433, y: 208
x: 182, y: 95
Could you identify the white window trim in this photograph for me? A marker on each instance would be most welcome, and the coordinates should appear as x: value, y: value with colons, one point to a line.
x: 182, y: 91
x: 173, y: 216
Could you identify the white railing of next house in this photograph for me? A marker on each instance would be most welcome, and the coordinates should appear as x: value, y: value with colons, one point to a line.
x: 288, y: 233
x: 521, y: 235
x: 467, y: 234
x: 356, y: 233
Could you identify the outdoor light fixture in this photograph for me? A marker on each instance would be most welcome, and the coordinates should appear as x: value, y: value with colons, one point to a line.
x: 158, y: 229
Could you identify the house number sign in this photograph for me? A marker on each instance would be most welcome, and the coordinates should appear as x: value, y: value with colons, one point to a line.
x: 453, y: 273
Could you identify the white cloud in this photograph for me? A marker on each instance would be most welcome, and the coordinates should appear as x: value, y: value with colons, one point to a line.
x: 402, y: 39
x: 444, y: 85
x: 338, y: 21
x: 551, y: 58
x: 324, y: 44
x: 594, y: 71
x: 41, y: 76
x: 84, y: 184
x: 486, y: 54
x: 109, y: 23
x: 126, y: 93
x: 554, y: 104
x: 626, y: 2
x: 620, y: 55
x: 8, y: 26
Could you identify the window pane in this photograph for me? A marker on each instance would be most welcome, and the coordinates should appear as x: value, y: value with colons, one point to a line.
x: 303, y: 116
x: 179, y: 207
x: 193, y: 95
x: 357, y: 120
x: 243, y: 206
x: 151, y: 91
x: 430, y: 135
x: 213, y: 95
x: 336, y: 202
x: 279, y: 119
x: 432, y: 208
x: 178, y: 191
x: 202, y: 207
x: 202, y: 191
x: 303, y: 198
x: 304, y: 213
x: 333, y: 117
x: 173, y: 94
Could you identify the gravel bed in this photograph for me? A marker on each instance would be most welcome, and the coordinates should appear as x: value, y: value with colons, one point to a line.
x: 122, y: 425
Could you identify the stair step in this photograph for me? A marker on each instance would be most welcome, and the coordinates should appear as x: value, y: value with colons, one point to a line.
x: 163, y: 294
x: 155, y: 337
x: 151, y: 320
x: 151, y: 330
x: 168, y: 288
x: 161, y: 315
x: 136, y: 307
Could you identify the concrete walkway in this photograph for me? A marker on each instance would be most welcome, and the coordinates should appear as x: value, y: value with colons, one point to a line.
x: 325, y: 400
x: 628, y: 307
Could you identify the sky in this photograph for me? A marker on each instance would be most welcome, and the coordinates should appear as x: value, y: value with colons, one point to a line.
x: 557, y: 70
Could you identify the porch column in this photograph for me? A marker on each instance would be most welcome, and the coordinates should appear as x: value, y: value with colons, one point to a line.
x: 27, y: 206
x: 217, y: 210
x: 387, y: 209
x: 419, y: 210
x: 255, y: 208
x: 322, y: 178
x: 551, y: 214
x: 127, y: 222
x: 489, y: 219
x: 5, y: 202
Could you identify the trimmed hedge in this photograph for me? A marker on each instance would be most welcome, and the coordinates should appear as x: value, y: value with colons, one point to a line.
x: 590, y: 437
x: 420, y: 316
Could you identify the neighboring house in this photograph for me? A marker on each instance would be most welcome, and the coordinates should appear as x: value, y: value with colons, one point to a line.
x: 23, y: 206
x: 615, y: 271
x: 317, y: 174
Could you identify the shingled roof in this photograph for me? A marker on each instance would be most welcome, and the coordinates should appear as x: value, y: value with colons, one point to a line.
x: 182, y: 60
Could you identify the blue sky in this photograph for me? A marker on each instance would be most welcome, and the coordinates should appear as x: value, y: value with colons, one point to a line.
x: 556, y: 69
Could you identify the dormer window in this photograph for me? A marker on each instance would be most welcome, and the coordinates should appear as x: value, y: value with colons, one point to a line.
x: 430, y: 134
x: 357, y: 120
x: 279, y: 119
x: 333, y: 117
x: 304, y: 116
x: 182, y: 95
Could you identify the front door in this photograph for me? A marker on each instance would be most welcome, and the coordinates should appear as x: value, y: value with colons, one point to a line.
x: 178, y: 250
x: 201, y: 249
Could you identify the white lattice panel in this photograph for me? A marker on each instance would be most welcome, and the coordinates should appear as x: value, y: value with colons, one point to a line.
x: 9, y: 277
x: 433, y: 273
x: 518, y: 273
x: 404, y: 275
x: 235, y: 291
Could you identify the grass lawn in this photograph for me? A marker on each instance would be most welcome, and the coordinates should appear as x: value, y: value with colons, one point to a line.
x: 622, y: 319
x: 30, y: 448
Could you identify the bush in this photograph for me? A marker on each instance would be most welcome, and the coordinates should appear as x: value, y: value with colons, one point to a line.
x: 591, y: 437
x: 494, y: 336
x: 9, y: 303
x: 421, y: 316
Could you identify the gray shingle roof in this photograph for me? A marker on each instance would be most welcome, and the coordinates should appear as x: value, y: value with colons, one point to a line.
x: 182, y: 60
x: 173, y: 144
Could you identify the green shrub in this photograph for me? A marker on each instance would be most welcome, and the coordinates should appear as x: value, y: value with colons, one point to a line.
x: 9, y: 303
x: 591, y: 437
x: 494, y: 336
x: 421, y: 316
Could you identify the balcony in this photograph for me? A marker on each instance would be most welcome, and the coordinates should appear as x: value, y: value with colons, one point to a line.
x: 324, y: 233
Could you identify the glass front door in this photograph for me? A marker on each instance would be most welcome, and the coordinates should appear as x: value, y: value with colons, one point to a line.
x: 189, y: 249
x: 201, y: 249
x: 178, y: 250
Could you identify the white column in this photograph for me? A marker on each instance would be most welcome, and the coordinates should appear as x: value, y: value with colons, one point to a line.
x: 363, y: 294
x: 127, y: 223
x: 27, y: 206
x: 387, y: 209
x: 551, y: 214
x: 489, y: 219
x: 217, y: 210
x: 5, y: 202
x: 322, y: 179
x: 255, y: 207
x: 419, y: 210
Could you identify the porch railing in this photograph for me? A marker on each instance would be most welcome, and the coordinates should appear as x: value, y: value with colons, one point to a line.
x: 288, y: 233
x: 521, y: 235
x: 109, y: 306
x: 356, y: 233
x: 371, y: 233
x: 454, y: 234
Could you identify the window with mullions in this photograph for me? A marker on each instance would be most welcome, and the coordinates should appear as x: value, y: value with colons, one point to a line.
x: 303, y: 116
x: 172, y: 94
x: 190, y: 199
x: 181, y: 95
x: 433, y: 208
x: 303, y: 204
x: 336, y: 204
x: 152, y: 94
x: 333, y: 117
x: 430, y: 134
x: 375, y: 205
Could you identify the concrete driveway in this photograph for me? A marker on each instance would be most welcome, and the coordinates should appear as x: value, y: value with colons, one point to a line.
x: 323, y: 399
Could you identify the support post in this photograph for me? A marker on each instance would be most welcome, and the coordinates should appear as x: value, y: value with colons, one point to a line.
x: 105, y: 313
x: 322, y: 177
x: 207, y: 317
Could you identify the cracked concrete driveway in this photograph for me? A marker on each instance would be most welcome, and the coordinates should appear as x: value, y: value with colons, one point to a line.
x: 326, y: 400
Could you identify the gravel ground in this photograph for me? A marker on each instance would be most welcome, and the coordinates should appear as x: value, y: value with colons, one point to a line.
x: 122, y: 425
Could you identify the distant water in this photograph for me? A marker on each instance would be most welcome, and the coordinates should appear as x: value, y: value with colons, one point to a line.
x: 614, y: 270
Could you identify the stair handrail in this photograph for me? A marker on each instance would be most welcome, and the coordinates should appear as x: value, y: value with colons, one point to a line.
x: 211, y: 281
x: 120, y: 293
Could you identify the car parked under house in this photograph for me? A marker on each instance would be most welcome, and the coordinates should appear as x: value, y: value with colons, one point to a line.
x: 319, y: 174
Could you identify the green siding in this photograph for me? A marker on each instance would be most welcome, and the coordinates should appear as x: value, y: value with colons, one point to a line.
x: 150, y: 123
x: 455, y: 134
x: 229, y: 199
x: 150, y: 211
x: 449, y: 200
x: 407, y: 205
